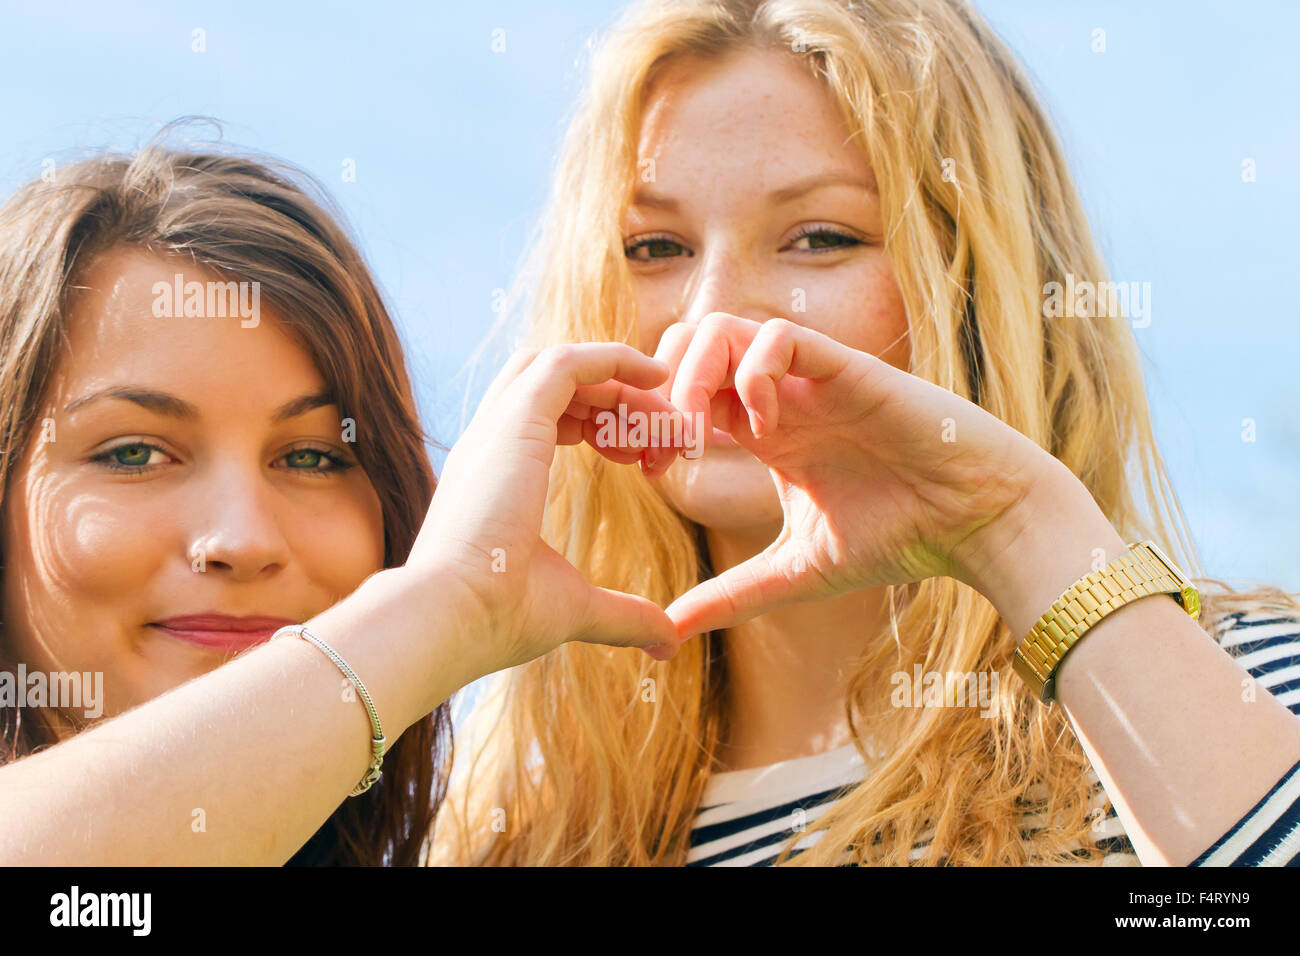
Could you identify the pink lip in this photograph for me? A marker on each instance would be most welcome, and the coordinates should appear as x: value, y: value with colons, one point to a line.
x: 222, y: 631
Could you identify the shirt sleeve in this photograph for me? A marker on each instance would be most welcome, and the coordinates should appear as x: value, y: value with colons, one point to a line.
x: 1267, y: 645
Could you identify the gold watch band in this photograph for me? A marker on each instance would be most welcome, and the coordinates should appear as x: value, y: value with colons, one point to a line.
x: 1142, y: 570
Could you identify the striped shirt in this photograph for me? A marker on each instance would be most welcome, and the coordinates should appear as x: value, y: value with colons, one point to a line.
x: 746, y: 817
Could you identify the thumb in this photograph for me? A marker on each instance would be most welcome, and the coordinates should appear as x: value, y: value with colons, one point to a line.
x: 747, y: 590
x: 626, y: 620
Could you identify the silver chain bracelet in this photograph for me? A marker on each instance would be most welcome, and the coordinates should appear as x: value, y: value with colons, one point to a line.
x: 377, y: 741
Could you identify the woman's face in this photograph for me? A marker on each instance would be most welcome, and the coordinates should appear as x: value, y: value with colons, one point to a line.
x: 188, y: 492
x: 758, y: 205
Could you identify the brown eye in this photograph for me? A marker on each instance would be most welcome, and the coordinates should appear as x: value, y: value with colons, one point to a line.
x: 822, y: 239
x: 655, y: 247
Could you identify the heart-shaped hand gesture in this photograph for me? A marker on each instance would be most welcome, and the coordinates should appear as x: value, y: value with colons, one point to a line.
x: 484, y: 526
x: 884, y: 478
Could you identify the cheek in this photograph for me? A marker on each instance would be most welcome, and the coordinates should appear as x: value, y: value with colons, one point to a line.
x: 657, y: 301
x: 864, y: 309
x: 78, y: 546
x: 338, y: 540
x: 74, y: 564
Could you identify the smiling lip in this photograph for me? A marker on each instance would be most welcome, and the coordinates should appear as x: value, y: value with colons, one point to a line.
x: 221, y: 631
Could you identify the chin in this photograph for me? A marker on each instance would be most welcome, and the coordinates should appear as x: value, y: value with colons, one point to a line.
x: 727, y: 489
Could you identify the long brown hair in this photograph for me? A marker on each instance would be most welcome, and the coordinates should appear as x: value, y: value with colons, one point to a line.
x: 259, y: 220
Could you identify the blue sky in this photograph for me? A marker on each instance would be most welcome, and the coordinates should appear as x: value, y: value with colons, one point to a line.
x: 453, y: 144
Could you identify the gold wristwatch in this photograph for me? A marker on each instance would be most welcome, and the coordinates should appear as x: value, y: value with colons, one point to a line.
x: 1142, y: 570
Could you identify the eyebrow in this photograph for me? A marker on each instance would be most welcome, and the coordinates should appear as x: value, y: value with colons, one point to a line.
x: 785, y: 194
x: 164, y: 403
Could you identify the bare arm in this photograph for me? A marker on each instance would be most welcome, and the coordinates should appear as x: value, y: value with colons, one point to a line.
x: 242, y: 765
x: 886, y: 478
x: 263, y: 749
x: 1156, y: 703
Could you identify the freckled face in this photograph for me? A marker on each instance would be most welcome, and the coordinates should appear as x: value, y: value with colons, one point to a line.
x: 760, y: 207
x: 185, y: 466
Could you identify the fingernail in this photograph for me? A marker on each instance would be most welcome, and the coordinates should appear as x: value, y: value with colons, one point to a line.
x: 660, y: 652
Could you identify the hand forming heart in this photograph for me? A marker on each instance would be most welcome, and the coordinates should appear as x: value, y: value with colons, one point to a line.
x: 884, y: 478
x: 482, y: 536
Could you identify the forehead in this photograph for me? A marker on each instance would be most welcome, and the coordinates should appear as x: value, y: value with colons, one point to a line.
x: 114, y: 335
x: 715, y: 115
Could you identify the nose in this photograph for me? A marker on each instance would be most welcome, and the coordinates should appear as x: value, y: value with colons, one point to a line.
x: 238, y: 531
x: 728, y: 279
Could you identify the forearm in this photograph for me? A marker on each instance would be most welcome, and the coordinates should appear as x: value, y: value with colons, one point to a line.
x: 240, y: 766
x: 1163, y: 716
x: 1158, y: 706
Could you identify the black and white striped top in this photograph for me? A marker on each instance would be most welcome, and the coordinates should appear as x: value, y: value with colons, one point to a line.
x: 747, y: 817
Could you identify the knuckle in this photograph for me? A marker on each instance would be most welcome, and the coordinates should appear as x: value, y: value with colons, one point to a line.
x: 777, y: 329
x: 520, y: 361
x: 676, y: 332
x: 556, y: 357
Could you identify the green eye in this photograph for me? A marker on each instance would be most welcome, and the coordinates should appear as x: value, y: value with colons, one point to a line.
x: 135, y: 455
x: 305, y: 458
x: 133, y: 458
x: 314, y: 461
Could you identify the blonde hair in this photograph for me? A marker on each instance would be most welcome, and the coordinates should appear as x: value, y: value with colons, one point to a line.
x: 576, y: 759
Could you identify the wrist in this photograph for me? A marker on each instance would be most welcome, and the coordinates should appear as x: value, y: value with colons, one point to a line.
x: 409, y: 635
x: 1030, y: 555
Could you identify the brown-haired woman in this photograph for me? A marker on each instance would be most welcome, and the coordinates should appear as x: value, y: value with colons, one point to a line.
x: 208, y: 433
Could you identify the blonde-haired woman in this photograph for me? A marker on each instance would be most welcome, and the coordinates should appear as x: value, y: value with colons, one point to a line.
x: 877, y: 177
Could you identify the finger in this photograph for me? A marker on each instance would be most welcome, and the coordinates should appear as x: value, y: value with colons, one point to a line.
x: 661, y: 435
x: 603, y: 395
x: 568, y: 430
x: 783, y: 348
x: 551, y: 380
x: 626, y: 620
x: 579, y: 410
x: 590, y: 432
x: 713, y: 354
x: 616, y: 396
x: 644, y: 423
x: 729, y: 415
x: 631, y: 418
x: 747, y: 590
x: 514, y: 366
x: 672, y: 346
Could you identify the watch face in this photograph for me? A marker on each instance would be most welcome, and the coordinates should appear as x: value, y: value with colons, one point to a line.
x: 1191, y: 601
